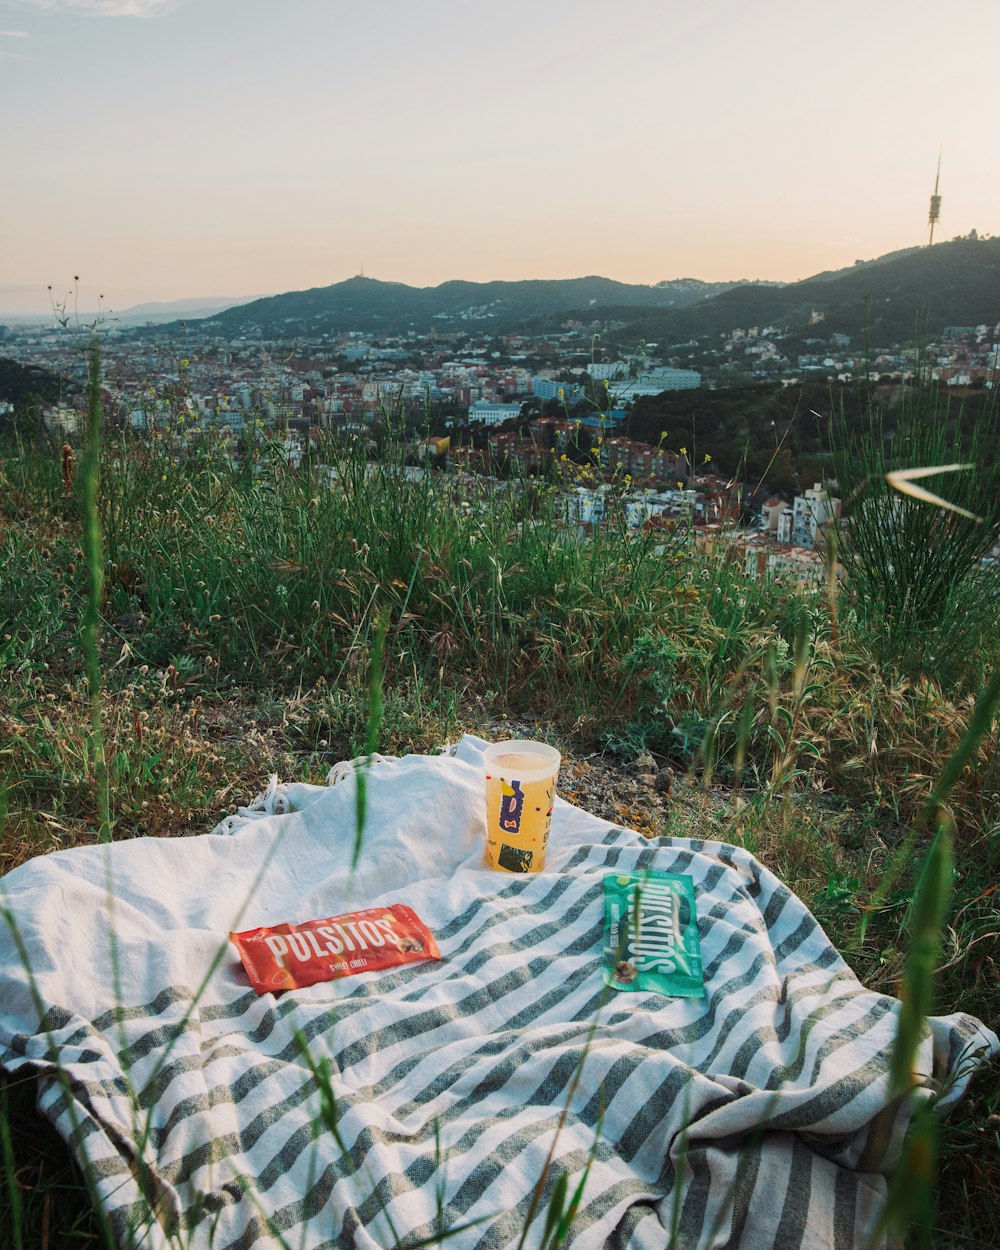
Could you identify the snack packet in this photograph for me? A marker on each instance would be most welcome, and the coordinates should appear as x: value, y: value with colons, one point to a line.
x: 290, y: 956
x: 651, y: 934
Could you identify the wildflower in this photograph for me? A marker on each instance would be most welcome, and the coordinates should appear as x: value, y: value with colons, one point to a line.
x: 684, y: 451
x: 707, y: 457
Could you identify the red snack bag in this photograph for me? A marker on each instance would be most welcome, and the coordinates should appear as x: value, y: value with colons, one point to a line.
x: 289, y: 956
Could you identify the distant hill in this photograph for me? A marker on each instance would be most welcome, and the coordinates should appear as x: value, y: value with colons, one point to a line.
x: 901, y: 296
x: 170, y: 310
x: 955, y: 283
x: 371, y: 306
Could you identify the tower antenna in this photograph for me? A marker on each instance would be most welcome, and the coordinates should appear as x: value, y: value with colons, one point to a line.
x: 935, y: 214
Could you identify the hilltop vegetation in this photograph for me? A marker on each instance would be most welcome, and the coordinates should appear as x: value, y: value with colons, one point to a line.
x: 899, y: 299
x: 365, y: 304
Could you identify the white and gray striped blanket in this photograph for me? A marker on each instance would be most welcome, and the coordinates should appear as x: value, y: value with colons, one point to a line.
x: 755, y: 1117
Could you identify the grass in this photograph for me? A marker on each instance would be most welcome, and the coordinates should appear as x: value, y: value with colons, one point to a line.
x: 251, y: 617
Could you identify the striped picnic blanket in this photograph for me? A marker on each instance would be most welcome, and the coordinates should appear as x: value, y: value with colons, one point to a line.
x: 757, y: 1116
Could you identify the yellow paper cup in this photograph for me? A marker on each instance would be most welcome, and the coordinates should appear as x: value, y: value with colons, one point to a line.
x: 520, y: 789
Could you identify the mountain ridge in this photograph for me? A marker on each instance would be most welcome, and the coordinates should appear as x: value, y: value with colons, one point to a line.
x: 369, y: 304
x: 900, y: 297
x: 897, y: 297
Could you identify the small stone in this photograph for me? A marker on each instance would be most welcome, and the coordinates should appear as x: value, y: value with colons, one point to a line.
x: 644, y: 763
x: 664, y: 781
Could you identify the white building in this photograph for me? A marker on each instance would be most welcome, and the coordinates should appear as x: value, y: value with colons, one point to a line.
x: 810, y: 512
x: 485, y: 413
x: 61, y: 420
x: 583, y: 506
x: 655, y: 382
x: 608, y: 370
x: 795, y: 565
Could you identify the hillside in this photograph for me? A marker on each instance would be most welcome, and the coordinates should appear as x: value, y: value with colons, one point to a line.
x: 902, y: 296
x: 369, y: 305
x: 22, y: 386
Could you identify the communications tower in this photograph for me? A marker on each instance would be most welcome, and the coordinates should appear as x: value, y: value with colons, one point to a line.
x: 935, y: 214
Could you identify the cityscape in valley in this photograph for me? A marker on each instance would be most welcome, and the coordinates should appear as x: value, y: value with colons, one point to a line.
x: 514, y: 389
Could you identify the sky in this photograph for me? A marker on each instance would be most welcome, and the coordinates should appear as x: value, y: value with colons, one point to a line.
x: 167, y: 149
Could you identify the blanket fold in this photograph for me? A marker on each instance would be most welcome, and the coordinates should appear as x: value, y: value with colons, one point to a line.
x: 384, y: 1108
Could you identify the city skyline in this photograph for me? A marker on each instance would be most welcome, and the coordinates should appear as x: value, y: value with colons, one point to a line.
x: 169, y: 149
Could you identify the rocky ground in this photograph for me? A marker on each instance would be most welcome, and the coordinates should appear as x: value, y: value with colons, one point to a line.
x: 644, y: 793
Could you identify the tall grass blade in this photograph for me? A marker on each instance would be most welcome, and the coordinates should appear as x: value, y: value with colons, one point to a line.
x: 94, y: 558
x: 374, y: 725
x: 930, y: 907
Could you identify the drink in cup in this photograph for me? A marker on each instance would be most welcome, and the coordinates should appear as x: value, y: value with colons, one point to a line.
x: 520, y: 789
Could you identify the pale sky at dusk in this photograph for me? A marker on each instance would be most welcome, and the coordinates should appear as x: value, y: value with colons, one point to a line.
x: 172, y: 148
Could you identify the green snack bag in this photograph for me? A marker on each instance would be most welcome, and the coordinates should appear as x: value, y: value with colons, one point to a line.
x: 651, y: 934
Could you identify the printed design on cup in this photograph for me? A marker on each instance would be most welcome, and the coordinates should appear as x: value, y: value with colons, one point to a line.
x: 511, y: 806
x: 514, y: 859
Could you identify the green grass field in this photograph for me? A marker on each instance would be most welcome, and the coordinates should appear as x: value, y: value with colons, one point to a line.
x: 219, y: 623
